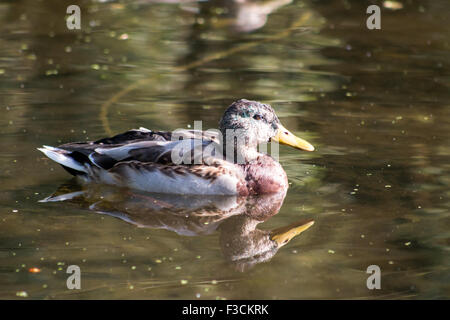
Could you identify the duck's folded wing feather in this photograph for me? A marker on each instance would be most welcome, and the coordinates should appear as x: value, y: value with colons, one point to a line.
x: 143, y: 134
x: 187, y: 151
x: 147, y: 151
x: 143, y: 145
x: 128, y: 137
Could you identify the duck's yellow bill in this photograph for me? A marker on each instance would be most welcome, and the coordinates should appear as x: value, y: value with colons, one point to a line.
x: 285, y: 234
x: 284, y: 136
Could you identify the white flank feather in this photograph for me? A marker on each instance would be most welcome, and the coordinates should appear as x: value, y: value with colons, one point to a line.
x: 58, y: 155
x: 155, y: 181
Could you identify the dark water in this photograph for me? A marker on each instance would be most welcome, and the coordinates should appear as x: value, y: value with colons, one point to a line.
x: 374, y: 103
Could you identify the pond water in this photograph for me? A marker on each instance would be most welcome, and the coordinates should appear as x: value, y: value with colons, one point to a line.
x: 374, y: 103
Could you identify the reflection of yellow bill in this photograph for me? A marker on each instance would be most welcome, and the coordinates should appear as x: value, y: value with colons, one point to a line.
x: 285, y: 234
x: 284, y: 136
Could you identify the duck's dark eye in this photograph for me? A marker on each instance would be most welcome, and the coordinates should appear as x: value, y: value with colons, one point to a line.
x: 257, y: 117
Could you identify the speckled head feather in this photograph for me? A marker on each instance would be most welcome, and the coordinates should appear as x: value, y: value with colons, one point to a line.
x: 257, y: 120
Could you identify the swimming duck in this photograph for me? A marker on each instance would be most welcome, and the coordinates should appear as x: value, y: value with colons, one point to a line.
x: 188, y: 161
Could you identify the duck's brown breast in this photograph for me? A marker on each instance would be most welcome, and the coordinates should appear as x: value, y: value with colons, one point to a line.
x: 265, y: 175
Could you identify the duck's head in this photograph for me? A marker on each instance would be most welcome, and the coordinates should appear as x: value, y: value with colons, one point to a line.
x: 257, y: 123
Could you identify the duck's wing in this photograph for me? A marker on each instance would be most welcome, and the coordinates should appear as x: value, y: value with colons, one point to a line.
x: 146, y: 160
x: 141, y: 135
x: 131, y: 136
x: 142, y: 145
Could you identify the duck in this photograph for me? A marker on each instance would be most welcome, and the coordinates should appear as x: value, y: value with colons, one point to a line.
x: 188, y: 162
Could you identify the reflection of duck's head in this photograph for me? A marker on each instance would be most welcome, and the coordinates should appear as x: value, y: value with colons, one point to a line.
x: 235, y: 217
x: 244, y: 245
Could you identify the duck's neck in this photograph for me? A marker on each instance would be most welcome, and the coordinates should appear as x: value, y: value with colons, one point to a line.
x: 245, y: 154
x: 240, y: 151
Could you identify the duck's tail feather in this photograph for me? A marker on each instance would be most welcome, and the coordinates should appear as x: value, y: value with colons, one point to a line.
x: 73, y: 162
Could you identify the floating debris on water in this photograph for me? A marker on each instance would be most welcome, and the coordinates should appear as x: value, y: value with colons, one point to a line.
x: 51, y: 72
x: 393, y: 5
x: 22, y: 294
x: 34, y: 270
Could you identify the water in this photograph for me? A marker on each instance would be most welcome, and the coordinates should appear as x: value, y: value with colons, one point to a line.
x: 375, y: 104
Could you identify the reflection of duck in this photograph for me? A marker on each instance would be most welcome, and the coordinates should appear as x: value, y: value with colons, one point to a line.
x: 202, y: 163
x: 236, y: 218
x: 245, y: 245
